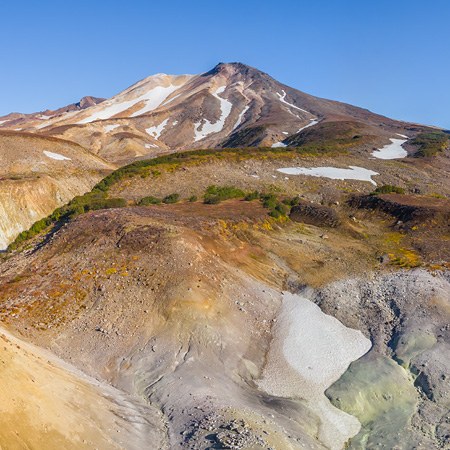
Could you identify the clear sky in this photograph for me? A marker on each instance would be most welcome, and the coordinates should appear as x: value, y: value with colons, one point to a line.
x: 391, y: 56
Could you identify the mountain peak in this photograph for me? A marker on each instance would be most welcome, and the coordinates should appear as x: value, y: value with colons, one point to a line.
x: 232, y: 68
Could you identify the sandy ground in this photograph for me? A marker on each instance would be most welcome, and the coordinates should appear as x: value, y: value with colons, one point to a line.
x: 47, y: 404
x: 310, y: 351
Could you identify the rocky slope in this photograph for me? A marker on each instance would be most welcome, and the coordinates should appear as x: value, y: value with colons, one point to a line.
x: 233, y: 105
x: 210, y: 312
x: 292, y: 296
x: 39, y: 174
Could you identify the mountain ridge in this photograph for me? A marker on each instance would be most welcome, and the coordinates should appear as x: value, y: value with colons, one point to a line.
x: 163, y: 113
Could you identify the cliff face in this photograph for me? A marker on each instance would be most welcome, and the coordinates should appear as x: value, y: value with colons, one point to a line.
x: 38, y: 175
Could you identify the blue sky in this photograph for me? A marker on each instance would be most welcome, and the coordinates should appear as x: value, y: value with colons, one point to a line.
x: 392, y: 57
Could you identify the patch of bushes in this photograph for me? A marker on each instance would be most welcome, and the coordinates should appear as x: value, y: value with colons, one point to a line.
x: 430, y: 143
x: 97, y: 198
x: 269, y: 200
x: 294, y: 201
x: 388, y: 189
x: 172, y: 198
x: 192, y: 198
x: 252, y: 196
x: 276, y: 208
x: 215, y: 194
x: 91, y: 201
x: 279, y: 210
x: 150, y: 200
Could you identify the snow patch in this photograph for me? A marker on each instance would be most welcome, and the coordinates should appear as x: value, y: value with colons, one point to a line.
x: 278, y: 144
x: 56, y: 156
x: 282, y: 98
x: 109, y: 128
x: 313, y: 122
x: 201, y: 131
x: 309, y: 352
x: 3, y: 121
x: 335, y: 173
x: 157, y: 130
x: 394, y: 150
x: 171, y: 100
x: 152, y: 98
x: 151, y: 146
x: 241, y: 117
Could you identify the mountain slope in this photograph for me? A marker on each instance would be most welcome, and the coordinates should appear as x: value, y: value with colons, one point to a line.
x: 205, y: 310
x: 218, y: 108
x: 39, y: 174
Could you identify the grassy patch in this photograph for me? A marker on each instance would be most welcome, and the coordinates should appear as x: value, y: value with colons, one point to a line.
x: 172, y: 198
x: 150, y: 200
x: 430, y: 143
x: 98, y: 197
x: 91, y: 201
x: 215, y: 194
x: 388, y: 189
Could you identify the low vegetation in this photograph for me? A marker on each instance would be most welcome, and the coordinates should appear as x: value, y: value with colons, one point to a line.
x: 172, y: 198
x: 332, y: 138
x: 430, y: 143
x: 98, y: 197
x: 91, y: 201
x: 252, y: 196
x: 388, y: 189
x: 215, y: 194
x: 150, y: 200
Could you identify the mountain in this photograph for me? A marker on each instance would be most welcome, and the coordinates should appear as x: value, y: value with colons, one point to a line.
x: 232, y: 105
x: 221, y: 261
x: 15, y: 119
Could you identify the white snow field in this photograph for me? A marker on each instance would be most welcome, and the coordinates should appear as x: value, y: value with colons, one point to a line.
x: 282, y: 98
x: 309, y: 352
x: 313, y: 122
x: 201, y: 131
x: 335, y: 173
x: 152, y: 98
x: 170, y: 100
x: 278, y: 144
x: 241, y: 116
x: 56, y: 156
x: 394, y: 150
x: 109, y: 128
x: 157, y: 130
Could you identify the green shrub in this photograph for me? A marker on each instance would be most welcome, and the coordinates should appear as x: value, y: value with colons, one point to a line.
x: 430, y: 143
x: 294, y: 201
x: 251, y: 196
x: 275, y: 207
x: 282, y: 209
x: 172, y: 198
x: 274, y: 213
x: 215, y: 194
x: 269, y: 200
x: 192, y: 198
x: 212, y: 199
x: 388, y: 189
x: 145, y: 201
